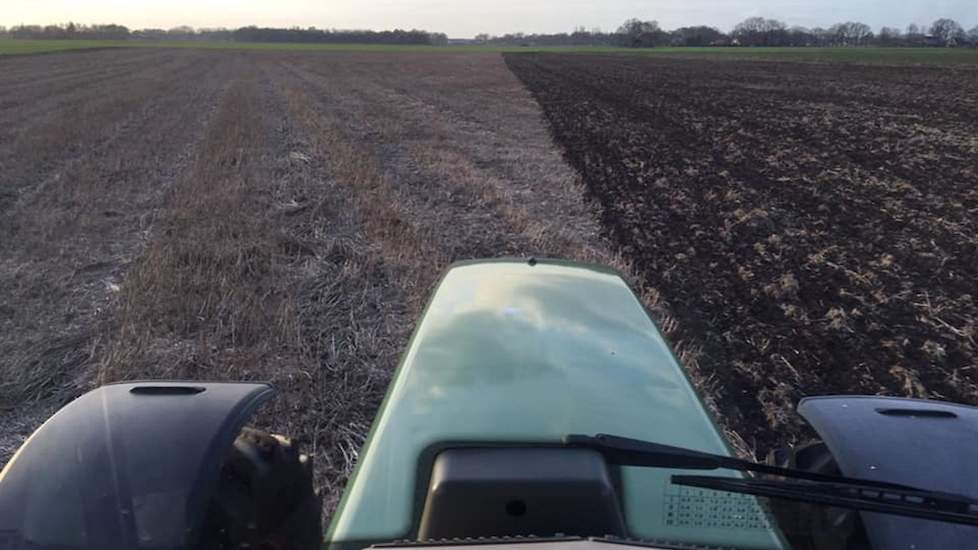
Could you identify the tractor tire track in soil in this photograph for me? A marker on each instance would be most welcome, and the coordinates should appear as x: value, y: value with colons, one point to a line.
x: 811, y: 227
x: 80, y: 201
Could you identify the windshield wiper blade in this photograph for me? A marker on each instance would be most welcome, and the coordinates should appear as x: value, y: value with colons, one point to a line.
x: 635, y: 452
x: 842, y: 492
x: 932, y: 505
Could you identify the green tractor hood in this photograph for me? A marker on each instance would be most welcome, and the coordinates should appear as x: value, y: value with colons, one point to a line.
x: 517, y: 352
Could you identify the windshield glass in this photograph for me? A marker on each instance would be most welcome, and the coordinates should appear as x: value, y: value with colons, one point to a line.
x: 746, y: 204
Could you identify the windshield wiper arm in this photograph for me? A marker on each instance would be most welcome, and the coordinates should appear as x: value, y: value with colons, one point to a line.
x: 635, y: 452
x: 842, y: 492
x: 932, y: 505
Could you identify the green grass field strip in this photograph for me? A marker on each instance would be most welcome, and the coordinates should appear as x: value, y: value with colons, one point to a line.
x: 938, y: 56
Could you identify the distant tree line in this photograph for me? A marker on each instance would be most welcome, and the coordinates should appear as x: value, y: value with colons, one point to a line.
x: 634, y: 33
x: 245, y: 34
x: 67, y: 31
x: 318, y: 36
x: 754, y: 31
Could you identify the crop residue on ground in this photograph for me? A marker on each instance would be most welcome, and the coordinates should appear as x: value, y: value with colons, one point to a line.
x: 795, y: 229
x: 243, y: 215
x: 812, y: 227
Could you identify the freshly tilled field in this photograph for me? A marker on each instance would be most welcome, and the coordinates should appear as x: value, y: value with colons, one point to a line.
x: 813, y: 228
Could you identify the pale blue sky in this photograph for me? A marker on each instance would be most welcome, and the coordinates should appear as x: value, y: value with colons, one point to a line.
x: 465, y: 18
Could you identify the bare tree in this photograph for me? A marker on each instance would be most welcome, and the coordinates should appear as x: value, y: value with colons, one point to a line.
x: 697, y: 36
x: 583, y: 37
x: 641, y: 34
x: 973, y: 37
x: 850, y: 34
x: 859, y: 33
x: 758, y: 31
x: 801, y: 36
x: 820, y: 36
x: 916, y: 35
x: 948, y: 31
x: 890, y: 36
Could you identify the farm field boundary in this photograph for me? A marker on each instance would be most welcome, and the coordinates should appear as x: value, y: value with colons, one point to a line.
x: 884, y: 56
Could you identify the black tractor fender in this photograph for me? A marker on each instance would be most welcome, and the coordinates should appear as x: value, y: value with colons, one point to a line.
x: 915, y: 442
x: 124, y: 466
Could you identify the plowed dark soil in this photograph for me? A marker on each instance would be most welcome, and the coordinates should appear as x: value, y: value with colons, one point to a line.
x: 812, y: 227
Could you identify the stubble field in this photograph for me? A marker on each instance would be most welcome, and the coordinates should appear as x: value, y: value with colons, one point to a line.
x: 794, y: 228
x: 244, y: 215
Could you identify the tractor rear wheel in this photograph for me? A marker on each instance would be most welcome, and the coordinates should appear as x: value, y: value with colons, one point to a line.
x: 265, y: 499
x: 811, y: 526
